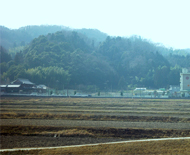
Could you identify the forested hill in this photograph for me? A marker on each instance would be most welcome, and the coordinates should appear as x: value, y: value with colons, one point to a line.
x: 20, y: 37
x: 69, y: 58
x: 11, y: 38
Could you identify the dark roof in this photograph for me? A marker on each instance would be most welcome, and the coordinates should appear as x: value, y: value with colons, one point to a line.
x: 22, y: 81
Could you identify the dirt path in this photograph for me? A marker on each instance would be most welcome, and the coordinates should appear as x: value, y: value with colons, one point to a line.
x: 84, y: 123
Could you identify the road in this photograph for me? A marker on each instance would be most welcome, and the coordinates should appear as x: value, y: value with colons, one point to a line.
x: 131, y: 141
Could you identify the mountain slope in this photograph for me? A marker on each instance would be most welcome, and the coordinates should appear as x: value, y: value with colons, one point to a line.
x: 11, y: 38
x: 71, y: 58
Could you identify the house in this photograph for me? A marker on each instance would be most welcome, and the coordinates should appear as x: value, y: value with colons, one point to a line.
x: 23, y: 86
x: 10, y: 88
x: 26, y: 86
x: 139, y: 91
x: 42, y: 88
x: 174, y: 90
x: 13, y: 88
x: 3, y: 88
x: 25, y: 83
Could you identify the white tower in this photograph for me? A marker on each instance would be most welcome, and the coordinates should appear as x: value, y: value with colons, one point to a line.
x: 185, y: 80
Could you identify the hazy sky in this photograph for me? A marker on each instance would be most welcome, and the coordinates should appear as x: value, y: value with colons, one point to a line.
x: 161, y: 21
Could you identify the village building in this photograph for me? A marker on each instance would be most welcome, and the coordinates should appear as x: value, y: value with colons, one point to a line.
x: 23, y: 86
x: 174, y: 91
x: 25, y: 83
x: 185, y: 81
x: 42, y: 88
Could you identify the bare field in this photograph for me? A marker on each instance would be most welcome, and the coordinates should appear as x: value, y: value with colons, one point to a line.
x: 181, y: 147
x: 97, y: 106
x: 62, y: 121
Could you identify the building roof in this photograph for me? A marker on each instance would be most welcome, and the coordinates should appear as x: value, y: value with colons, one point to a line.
x: 10, y: 86
x: 22, y: 81
x: 13, y: 86
x: 140, y: 88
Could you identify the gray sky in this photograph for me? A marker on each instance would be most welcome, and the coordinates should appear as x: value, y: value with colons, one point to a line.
x: 161, y: 21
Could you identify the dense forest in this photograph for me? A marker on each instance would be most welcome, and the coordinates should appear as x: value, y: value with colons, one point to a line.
x: 60, y: 57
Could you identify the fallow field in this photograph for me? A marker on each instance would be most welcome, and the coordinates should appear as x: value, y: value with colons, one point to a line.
x: 39, y: 122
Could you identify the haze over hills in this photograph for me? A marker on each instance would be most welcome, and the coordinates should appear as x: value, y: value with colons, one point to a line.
x: 88, y: 57
x: 18, y: 37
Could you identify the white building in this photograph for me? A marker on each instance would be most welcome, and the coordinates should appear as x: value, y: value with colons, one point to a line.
x: 139, y: 91
x: 185, y: 80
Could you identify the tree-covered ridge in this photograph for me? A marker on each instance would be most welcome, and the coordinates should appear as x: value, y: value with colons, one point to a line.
x: 12, y: 38
x: 181, y: 60
x: 95, y: 35
x: 68, y: 58
x: 70, y: 51
x: 135, y: 60
x: 4, y: 55
x: 55, y: 49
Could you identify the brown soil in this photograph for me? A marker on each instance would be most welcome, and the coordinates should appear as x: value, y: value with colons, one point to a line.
x: 93, y: 117
x: 38, y: 122
x: 87, y: 123
x: 181, y: 147
x: 43, y: 141
x: 31, y: 136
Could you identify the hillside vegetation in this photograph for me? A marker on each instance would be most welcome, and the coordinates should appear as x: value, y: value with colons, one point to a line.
x: 59, y: 56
